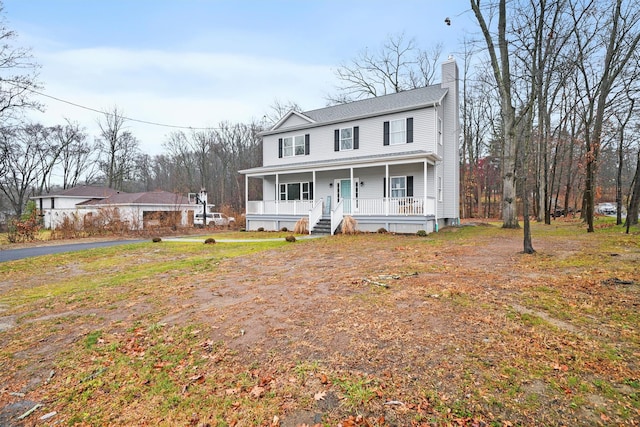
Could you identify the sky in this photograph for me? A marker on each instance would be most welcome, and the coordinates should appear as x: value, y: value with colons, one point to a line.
x: 196, y: 63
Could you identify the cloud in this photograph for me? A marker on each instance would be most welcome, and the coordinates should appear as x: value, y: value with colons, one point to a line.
x: 179, y: 88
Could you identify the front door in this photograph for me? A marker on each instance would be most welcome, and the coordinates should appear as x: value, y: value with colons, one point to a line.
x: 344, y: 192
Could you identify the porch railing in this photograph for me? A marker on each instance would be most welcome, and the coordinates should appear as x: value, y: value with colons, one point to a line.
x: 315, y: 214
x: 336, y: 216
x: 406, y: 206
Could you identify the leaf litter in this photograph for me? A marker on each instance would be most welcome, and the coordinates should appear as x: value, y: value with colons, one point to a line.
x: 467, y: 332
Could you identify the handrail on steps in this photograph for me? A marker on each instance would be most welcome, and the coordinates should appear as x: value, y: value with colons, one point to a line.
x: 315, y: 214
x: 336, y: 216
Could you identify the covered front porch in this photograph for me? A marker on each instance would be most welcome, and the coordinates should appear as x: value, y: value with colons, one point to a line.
x: 399, y: 195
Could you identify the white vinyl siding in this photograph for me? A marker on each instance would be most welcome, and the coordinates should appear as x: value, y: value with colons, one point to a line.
x: 370, y: 138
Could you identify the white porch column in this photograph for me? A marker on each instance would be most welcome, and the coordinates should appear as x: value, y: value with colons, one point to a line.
x: 386, y: 189
x: 277, y: 196
x: 424, y: 196
x: 246, y: 193
x: 313, y: 179
x: 353, y: 192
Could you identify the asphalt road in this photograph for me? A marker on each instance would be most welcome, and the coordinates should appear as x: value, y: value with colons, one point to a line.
x: 14, y: 254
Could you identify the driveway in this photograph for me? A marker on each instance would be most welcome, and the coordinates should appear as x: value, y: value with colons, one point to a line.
x: 15, y: 254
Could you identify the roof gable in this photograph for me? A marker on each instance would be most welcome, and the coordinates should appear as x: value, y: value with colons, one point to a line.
x: 293, y: 118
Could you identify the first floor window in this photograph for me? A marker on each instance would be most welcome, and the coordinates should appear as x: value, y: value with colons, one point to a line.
x: 296, y: 191
x: 398, y: 186
x: 439, y: 188
x: 401, y: 186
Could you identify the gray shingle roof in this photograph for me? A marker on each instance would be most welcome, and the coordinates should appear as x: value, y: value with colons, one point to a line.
x: 382, y: 104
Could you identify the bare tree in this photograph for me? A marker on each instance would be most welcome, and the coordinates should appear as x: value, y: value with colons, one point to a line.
x: 26, y: 162
x: 511, y: 122
x: 18, y: 76
x: 77, y: 159
x: 399, y: 64
x: 118, y: 149
x: 606, y: 35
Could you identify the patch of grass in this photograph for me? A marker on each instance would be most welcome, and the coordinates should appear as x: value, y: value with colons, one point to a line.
x: 356, y: 391
x: 92, y: 339
x: 143, y: 261
x: 304, y: 369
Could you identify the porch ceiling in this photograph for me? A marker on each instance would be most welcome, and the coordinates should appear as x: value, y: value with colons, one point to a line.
x: 362, y: 161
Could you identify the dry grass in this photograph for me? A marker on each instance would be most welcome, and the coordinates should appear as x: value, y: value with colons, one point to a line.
x: 349, y: 225
x: 302, y: 226
x: 467, y: 331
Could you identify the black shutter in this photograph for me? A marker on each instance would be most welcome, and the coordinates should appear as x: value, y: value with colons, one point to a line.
x: 356, y: 137
x: 384, y: 186
x: 311, y: 191
x: 279, y: 148
x: 336, y: 140
x: 409, y: 186
x: 410, y: 129
x: 307, y: 138
x: 386, y: 133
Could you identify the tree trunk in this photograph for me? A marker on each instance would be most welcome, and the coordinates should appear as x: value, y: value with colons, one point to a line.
x: 634, y: 201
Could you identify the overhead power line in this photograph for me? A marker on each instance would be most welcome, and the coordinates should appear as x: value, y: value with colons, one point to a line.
x: 106, y: 113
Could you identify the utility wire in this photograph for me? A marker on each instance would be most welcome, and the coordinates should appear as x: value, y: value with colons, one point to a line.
x: 106, y: 113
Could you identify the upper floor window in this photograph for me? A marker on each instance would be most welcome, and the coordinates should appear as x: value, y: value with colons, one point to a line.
x: 346, y: 139
x: 398, y: 131
x: 291, y: 146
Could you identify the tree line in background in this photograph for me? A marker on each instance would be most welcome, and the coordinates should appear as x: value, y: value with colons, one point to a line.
x: 549, y: 117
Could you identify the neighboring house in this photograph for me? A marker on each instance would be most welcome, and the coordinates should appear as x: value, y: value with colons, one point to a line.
x: 390, y: 162
x: 136, y: 210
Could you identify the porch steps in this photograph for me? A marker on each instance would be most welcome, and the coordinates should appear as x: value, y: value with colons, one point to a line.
x: 323, y: 227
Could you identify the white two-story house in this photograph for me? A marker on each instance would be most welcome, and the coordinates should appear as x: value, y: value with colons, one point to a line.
x: 389, y: 162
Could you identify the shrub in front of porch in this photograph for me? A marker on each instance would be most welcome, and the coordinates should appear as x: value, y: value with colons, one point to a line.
x: 302, y: 226
x: 349, y: 225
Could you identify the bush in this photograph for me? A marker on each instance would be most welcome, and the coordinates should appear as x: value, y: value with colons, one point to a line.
x: 421, y: 233
x: 284, y: 229
x: 156, y: 239
x: 302, y: 226
x: 349, y: 225
x: 382, y: 230
x: 24, y: 229
x: 290, y: 238
x: 260, y: 228
x: 209, y: 241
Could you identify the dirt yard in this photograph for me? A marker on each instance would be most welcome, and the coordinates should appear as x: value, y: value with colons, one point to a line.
x: 372, y: 330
